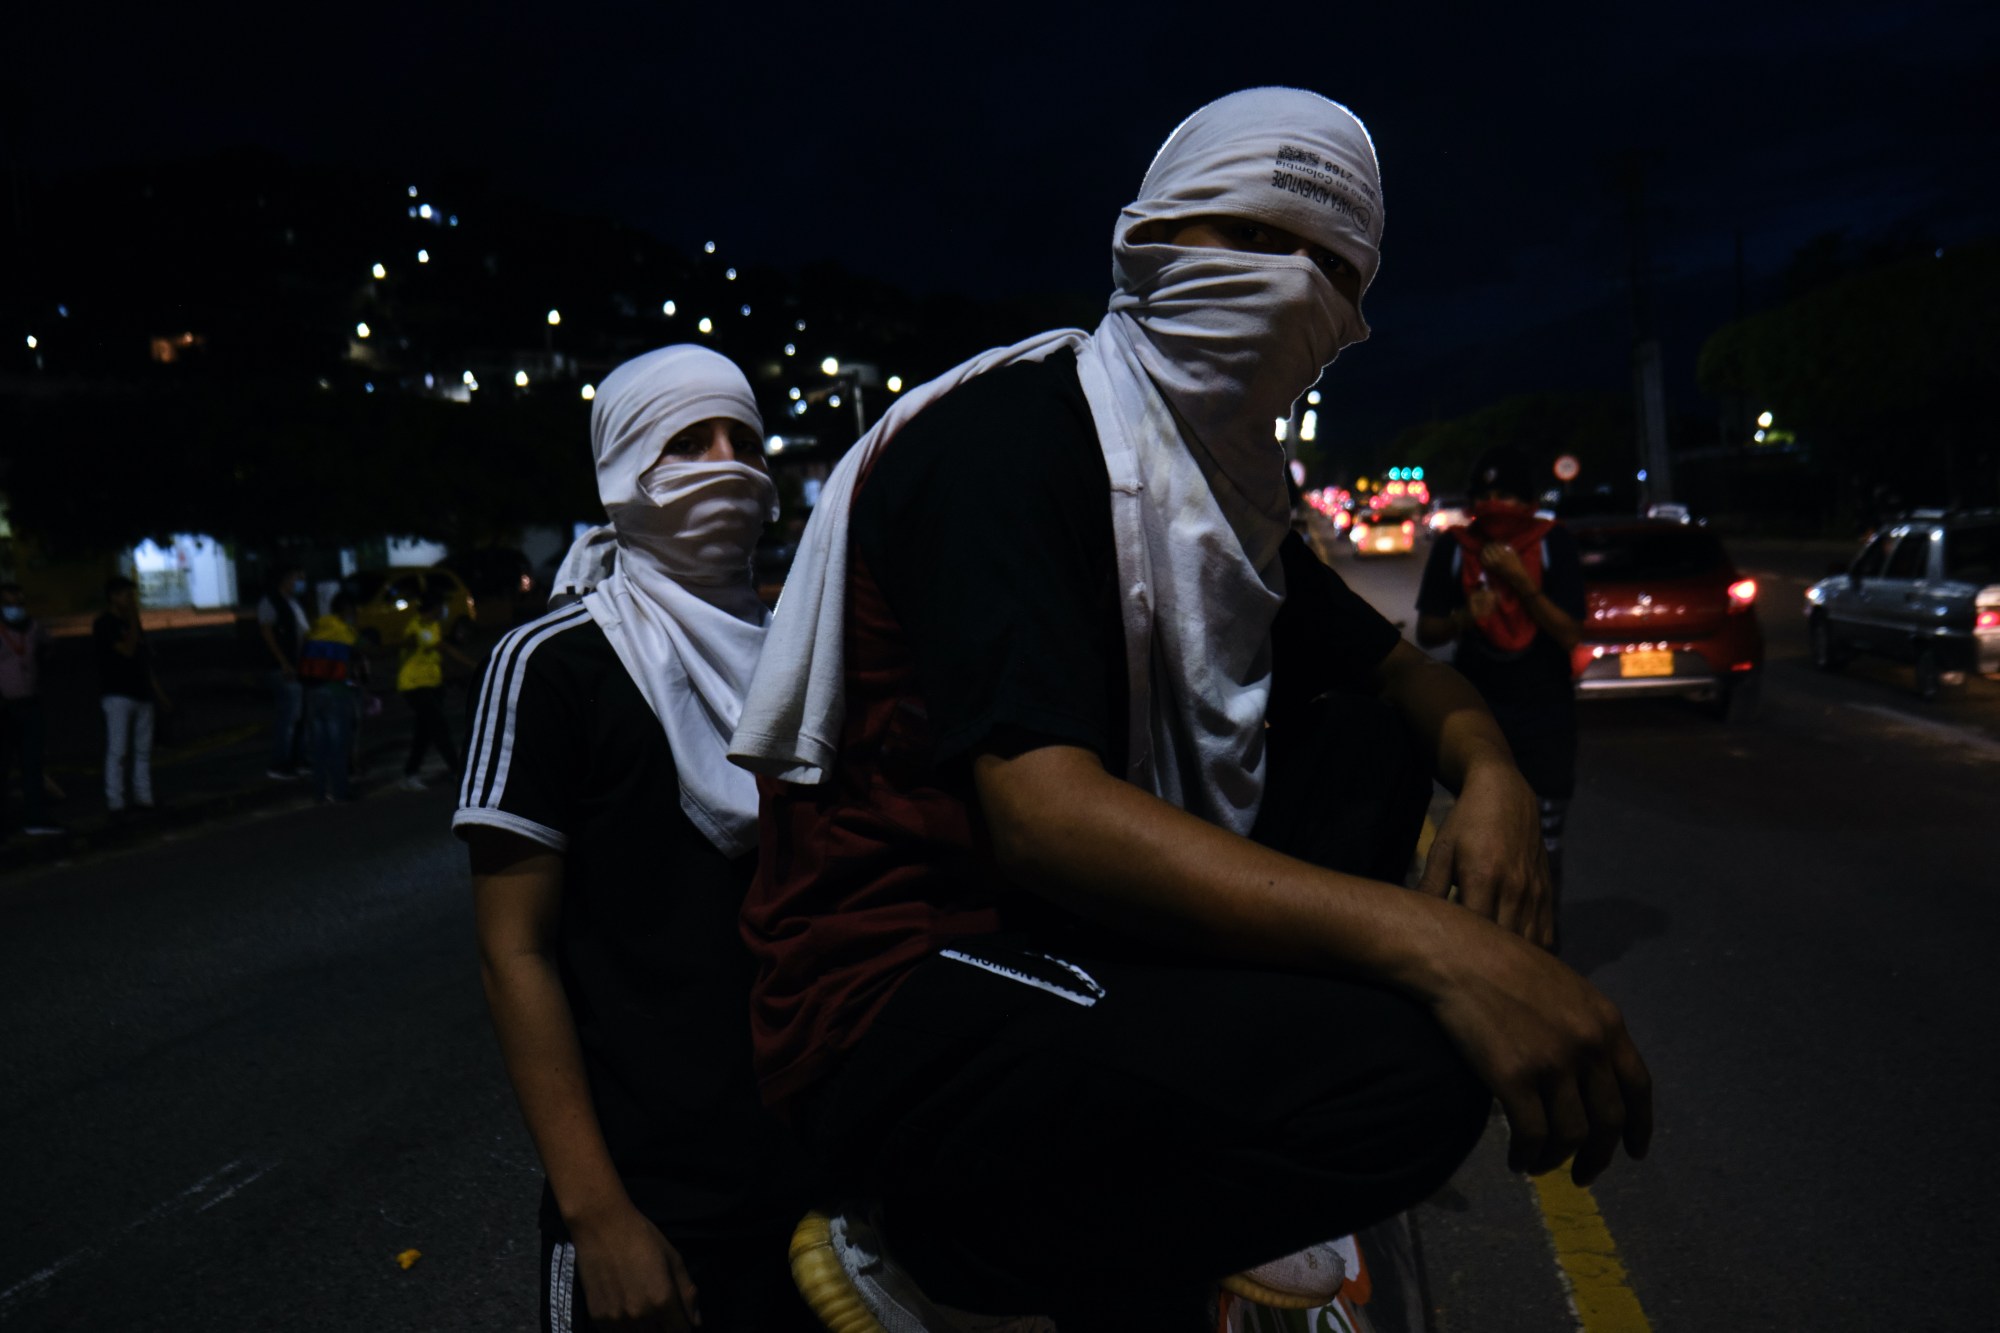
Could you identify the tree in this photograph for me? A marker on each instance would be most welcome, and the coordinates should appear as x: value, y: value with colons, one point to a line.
x: 1882, y: 375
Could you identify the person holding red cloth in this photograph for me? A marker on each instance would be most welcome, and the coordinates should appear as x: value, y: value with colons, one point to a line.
x: 1507, y: 588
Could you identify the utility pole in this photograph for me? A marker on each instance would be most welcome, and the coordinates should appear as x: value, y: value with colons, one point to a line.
x: 1649, y: 403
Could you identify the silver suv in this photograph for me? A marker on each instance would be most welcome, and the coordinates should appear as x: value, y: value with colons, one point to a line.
x: 1925, y: 590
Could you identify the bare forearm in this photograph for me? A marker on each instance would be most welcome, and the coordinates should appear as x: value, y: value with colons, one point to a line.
x: 1551, y: 619
x: 538, y: 1042
x: 1447, y: 714
x: 1118, y: 855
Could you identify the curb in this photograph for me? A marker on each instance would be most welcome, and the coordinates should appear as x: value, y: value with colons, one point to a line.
x: 21, y: 853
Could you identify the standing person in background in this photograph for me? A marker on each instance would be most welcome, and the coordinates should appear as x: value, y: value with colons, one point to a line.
x: 1508, y: 589
x: 23, y: 724
x: 329, y: 671
x: 129, y: 690
x: 420, y: 680
x: 281, y: 623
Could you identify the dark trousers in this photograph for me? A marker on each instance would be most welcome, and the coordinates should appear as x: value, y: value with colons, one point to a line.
x: 330, y: 724
x: 24, y: 728
x: 431, y: 730
x: 1103, y: 1156
x: 741, y: 1286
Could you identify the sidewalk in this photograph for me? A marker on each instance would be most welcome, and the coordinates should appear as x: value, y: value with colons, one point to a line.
x: 210, y: 751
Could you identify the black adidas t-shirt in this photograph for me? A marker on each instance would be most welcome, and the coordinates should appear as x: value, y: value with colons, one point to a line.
x: 566, y: 753
x: 987, y: 523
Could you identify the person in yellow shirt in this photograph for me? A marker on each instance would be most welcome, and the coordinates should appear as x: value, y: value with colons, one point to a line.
x: 420, y: 680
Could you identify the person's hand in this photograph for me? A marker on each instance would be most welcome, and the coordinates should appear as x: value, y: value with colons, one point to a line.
x: 1490, y: 846
x: 1481, y: 602
x: 633, y: 1278
x: 1552, y: 1048
x: 1504, y: 562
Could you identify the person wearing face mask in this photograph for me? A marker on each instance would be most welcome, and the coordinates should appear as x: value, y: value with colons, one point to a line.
x: 610, y: 841
x: 1507, y: 589
x: 1087, y: 983
x: 24, y: 645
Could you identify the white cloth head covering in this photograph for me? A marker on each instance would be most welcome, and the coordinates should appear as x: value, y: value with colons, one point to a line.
x: 669, y: 579
x: 1201, y: 349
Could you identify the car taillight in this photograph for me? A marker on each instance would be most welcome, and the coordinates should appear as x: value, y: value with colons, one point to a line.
x: 1742, y: 594
x: 1987, y: 620
x: 1408, y: 527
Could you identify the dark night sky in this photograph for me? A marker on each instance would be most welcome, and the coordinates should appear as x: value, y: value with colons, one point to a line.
x: 986, y: 149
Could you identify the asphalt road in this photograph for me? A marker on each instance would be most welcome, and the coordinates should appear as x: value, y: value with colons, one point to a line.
x: 1797, y: 918
x: 241, y: 1072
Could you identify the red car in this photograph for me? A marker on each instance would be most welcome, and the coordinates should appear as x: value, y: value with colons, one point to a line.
x: 1666, y: 613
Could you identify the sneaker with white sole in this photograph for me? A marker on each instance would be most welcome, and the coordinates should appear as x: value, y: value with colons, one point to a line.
x: 1298, y: 1281
x: 848, y: 1279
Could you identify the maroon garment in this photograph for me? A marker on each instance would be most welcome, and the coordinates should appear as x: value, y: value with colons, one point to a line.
x: 861, y: 877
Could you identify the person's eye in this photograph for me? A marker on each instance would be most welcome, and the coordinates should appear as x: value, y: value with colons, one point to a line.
x: 686, y: 446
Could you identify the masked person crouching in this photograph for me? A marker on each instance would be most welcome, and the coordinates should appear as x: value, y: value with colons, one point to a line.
x: 611, y: 842
x: 1046, y: 704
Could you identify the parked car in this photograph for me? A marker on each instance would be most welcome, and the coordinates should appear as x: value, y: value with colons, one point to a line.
x: 1925, y: 589
x: 1384, y: 532
x: 1666, y: 613
x: 386, y: 602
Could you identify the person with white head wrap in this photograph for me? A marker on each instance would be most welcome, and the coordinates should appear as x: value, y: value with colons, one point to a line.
x: 959, y: 824
x: 610, y: 838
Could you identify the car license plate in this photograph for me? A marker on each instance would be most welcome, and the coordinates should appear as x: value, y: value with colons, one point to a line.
x: 1646, y: 662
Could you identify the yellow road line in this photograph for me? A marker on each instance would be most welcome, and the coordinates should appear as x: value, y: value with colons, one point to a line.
x: 1599, y: 1293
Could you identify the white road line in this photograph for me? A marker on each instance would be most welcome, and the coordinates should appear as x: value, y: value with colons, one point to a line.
x: 1931, y: 729
x: 220, y: 1184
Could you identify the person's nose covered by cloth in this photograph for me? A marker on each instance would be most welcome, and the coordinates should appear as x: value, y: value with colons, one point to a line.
x: 1242, y: 266
x: 677, y: 602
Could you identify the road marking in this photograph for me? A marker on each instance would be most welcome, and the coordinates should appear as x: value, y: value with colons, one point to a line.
x: 218, y: 1185
x: 1930, y: 729
x: 1593, y: 1278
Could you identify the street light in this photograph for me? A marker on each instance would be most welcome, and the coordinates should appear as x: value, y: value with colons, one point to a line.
x: 1764, y: 419
x: 520, y: 379
x: 589, y: 392
x: 424, y: 212
x: 707, y: 325
x: 360, y: 331
x: 668, y: 308
x: 709, y: 248
x: 729, y: 274
x: 895, y: 384
x: 423, y: 256
x: 379, y: 272
x: 555, y: 318
x: 33, y: 342
x: 830, y: 366
x: 792, y: 393
x: 791, y: 349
